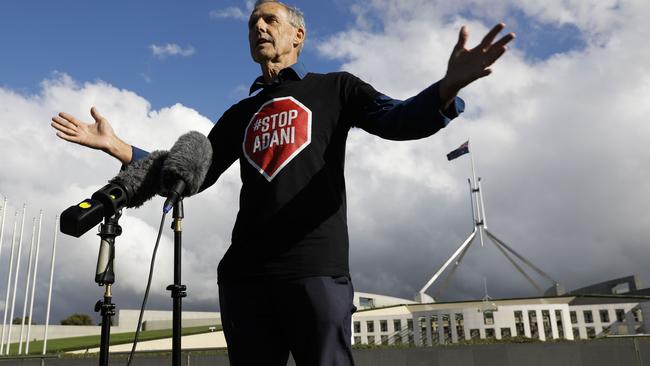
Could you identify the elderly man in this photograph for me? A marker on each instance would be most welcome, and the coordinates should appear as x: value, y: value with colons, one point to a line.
x: 284, y: 282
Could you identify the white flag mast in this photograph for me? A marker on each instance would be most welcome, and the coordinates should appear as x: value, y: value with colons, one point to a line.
x: 479, y: 226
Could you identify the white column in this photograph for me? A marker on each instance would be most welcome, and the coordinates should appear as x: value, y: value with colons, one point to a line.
x: 554, y: 330
x: 526, y: 319
x: 49, y: 291
x: 31, y: 305
x: 13, y: 296
x: 417, y: 336
x: 452, y: 324
x: 566, y: 323
x: 11, y: 268
x: 29, y: 273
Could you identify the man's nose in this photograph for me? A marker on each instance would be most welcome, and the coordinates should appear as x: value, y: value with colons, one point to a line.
x: 260, y: 25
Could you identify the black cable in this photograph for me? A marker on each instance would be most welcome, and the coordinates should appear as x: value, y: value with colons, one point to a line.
x: 146, y: 292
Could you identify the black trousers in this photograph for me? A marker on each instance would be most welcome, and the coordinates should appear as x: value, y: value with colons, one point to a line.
x: 309, y: 317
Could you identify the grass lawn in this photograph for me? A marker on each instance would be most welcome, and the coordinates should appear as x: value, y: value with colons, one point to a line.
x: 76, y: 343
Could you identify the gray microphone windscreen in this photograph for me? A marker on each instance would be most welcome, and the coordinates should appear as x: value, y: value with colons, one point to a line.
x: 189, y: 160
x: 142, y: 178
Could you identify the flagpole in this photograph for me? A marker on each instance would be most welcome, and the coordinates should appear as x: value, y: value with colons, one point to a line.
x: 480, y: 192
x: 11, y: 269
x: 29, y: 275
x: 49, y: 291
x: 13, y: 296
x: 475, y: 191
x: 2, y: 231
x: 2, y: 227
x: 31, y: 305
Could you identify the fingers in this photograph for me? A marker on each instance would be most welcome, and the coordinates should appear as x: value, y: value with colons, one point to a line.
x: 63, y: 125
x: 489, y: 37
x: 462, y: 38
x: 69, y: 118
x: 504, y: 40
x: 66, y: 137
x: 95, y: 114
x: 498, y: 49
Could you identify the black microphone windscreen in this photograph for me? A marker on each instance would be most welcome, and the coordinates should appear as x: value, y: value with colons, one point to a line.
x: 189, y: 160
x: 142, y: 178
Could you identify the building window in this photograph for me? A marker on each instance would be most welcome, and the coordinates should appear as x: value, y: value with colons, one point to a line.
x: 384, y: 339
x: 489, y: 333
x: 488, y: 318
x: 371, y: 339
x: 366, y: 302
x: 409, y: 324
x: 370, y: 326
x: 589, y: 317
x: 591, y: 332
x: 519, y: 323
x: 397, y: 325
x: 446, y: 328
x: 357, y: 340
x: 460, y: 326
x: 638, y: 316
x: 532, y: 319
x: 383, y: 326
x: 434, y: 329
x: 604, y: 316
x: 357, y: 327
x: 398, y: 339
x: 576, y: 333
x: 474, y: 334
x: 505, y: 333
x: 620, y: 315
x: 574, y: 317
x: 560, y: 325
x: 422, y: 321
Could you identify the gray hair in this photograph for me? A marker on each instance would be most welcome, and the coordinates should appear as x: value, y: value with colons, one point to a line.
x: 296, y: 16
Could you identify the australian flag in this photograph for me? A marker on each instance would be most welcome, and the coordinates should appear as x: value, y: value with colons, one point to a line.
x: 461, y: 150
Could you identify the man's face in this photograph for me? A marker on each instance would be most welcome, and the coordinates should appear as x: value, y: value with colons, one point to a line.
x: 270, y: 34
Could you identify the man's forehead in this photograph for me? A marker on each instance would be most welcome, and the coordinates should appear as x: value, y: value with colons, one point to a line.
x: 268, y: 9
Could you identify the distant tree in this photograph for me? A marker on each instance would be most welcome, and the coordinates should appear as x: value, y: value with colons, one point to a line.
x: 19, y: 320
x: 77, y: 319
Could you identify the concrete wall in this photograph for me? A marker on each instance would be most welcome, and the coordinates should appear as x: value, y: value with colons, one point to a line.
x: 53, y: 332
x: 125, y: 321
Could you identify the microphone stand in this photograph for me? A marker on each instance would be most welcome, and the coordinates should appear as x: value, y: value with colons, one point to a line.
x: 177, y: 289
x: 105, y: 276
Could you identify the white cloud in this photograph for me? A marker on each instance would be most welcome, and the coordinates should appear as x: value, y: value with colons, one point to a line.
x: 561, y: 144
x: 50, y: 174
x: 171, y: 49
x: 234, y: 12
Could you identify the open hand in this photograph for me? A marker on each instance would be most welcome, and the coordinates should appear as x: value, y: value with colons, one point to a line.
x: 98, y: 135
x: 466, y: 66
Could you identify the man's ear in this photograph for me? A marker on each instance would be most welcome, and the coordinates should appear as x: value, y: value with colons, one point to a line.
x: 299, y: 37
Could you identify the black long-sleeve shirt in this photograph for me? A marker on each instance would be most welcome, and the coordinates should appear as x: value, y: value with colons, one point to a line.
x: 290, y: 142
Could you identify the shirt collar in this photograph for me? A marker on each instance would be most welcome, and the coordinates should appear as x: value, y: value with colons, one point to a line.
x: 293, y: 72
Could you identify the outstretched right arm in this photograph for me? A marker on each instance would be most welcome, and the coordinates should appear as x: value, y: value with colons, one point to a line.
x: 98, y: 135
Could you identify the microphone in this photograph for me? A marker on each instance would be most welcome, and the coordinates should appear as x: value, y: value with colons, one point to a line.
x: 185, y: 168
x: 132, y: 187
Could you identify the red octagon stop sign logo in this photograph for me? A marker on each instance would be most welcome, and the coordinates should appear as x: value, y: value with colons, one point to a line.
x: 276, y: 134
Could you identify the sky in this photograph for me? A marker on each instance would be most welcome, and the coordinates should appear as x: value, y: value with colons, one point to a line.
x: 558, y: 132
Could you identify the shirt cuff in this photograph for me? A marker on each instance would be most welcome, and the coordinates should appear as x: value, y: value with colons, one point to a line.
x: 136, y: 154
x: 455, y: 108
